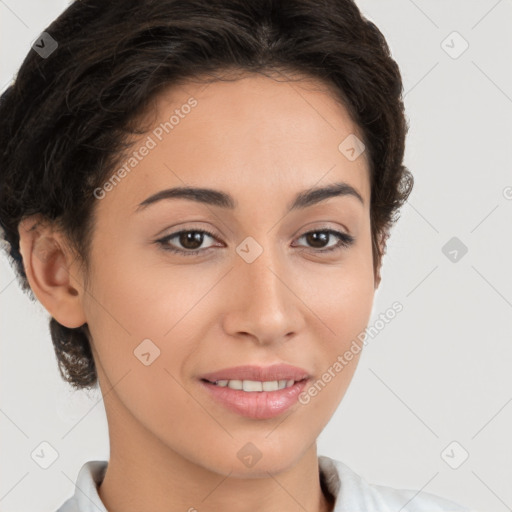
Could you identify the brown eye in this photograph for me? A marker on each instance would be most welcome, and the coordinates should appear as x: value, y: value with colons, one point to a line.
x: 190, y: 240
x: 319, y: 238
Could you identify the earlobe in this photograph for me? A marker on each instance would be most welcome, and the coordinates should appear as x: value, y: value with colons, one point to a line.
x: 377, y: 279
x: 48, y: 266
x: 383, y: 237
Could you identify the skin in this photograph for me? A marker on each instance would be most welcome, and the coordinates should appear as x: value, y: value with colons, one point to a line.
x: 172, y: 448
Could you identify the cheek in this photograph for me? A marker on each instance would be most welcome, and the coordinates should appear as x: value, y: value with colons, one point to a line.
x: 140, y: 341
x: 340, y: 294
x: 348, y: 307
x: 343, y: 309
x: 342, y: 300
x: 138, y: 295
x: 140, y: 311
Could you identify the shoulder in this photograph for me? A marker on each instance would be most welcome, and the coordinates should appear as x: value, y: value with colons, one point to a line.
x: 69, y: 505
x: 354, y: 493
x: 85, y: 497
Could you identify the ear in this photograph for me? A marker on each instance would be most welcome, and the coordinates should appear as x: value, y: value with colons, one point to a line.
x: 382, y: 239
x: 48, y: 264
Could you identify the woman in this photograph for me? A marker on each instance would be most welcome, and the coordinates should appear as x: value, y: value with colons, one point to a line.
x: 200, y: 195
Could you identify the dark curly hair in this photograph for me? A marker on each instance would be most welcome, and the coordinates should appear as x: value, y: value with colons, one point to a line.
x: 65, y: 121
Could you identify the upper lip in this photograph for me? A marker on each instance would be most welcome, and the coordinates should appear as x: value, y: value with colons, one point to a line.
x: 261, y: 373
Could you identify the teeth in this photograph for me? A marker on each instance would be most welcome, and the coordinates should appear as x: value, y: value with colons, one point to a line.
x: 255, y: 385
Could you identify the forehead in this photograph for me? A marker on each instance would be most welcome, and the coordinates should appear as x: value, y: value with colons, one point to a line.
x: 250, y: 135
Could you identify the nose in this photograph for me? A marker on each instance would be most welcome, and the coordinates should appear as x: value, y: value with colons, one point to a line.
x: 263, y: 302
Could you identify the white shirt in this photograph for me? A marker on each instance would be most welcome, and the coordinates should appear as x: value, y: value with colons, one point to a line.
x: 352, y: 492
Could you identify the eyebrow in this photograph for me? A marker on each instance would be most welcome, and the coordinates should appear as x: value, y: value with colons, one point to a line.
x: 221, y: 199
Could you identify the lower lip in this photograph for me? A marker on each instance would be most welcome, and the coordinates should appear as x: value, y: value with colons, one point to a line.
x: 256, y: 404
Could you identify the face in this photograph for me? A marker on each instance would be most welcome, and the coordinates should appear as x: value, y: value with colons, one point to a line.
x: 257, y: 282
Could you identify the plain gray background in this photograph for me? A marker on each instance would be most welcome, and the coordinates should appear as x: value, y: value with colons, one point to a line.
x: 434, y: 385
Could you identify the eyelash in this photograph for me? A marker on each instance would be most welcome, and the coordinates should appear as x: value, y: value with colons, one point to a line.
x: 345, y: 241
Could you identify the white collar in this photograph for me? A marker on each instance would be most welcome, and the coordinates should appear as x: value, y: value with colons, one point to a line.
x: 352, y: 492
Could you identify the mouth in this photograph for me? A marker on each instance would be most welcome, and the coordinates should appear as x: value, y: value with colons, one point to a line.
x: 255, y: 399
x: 256, y: 392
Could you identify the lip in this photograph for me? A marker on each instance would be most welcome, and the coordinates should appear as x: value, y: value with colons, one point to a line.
x: 262, y: 373
x: 258, y: 404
